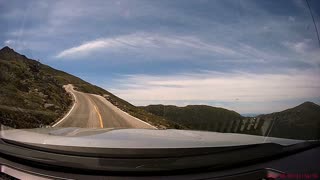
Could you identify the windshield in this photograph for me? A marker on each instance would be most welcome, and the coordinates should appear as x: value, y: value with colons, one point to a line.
x: 159, y: 74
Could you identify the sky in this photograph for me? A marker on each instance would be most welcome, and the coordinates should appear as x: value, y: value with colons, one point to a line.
x: 248, y: 56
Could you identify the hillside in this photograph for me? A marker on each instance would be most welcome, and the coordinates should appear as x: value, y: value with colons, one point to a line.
x: 29, y: 96
x: 300, y: 122
x: 32, y: 95
x: 197, y: 117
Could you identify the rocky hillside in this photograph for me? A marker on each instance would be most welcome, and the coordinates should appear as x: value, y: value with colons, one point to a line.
x: 31, y: 94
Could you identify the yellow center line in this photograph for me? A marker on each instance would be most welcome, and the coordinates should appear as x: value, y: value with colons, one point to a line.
x: 99, y: 115
x: 98, y: 112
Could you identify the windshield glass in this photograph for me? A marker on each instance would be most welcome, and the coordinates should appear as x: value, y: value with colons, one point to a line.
x: 159, y: 74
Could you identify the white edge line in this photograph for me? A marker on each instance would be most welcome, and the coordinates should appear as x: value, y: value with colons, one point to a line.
x: 138, y: 119
x: 126, y: 112
x: 74, y: 104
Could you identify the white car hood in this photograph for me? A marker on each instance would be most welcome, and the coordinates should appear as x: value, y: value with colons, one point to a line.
x: 136, y: 138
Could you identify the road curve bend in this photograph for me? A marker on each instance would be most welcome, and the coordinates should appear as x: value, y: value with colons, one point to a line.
x: 94, y: 111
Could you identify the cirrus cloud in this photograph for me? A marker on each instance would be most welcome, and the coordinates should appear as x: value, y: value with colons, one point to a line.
x: 147, y: 43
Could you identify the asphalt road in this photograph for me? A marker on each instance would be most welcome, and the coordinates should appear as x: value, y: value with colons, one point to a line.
x: 94, y: 111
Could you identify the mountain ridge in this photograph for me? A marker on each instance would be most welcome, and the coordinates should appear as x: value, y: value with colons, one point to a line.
x: 198, y: 117
x: 303, y: 118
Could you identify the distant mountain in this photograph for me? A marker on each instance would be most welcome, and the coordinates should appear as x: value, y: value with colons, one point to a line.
x: 300, y: 122
x: 196, y: 117
x: 249, y: 115
x: 31, y: 94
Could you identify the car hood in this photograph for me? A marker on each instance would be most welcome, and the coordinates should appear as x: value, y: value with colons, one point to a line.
x: 136, y: 138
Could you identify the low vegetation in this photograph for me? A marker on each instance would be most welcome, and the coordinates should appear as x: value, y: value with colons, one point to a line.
x: 300, y: 122
x: 196, y: 117
x: 29, y: 96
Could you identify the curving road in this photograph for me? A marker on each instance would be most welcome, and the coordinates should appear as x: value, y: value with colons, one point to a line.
x: 94, y: 111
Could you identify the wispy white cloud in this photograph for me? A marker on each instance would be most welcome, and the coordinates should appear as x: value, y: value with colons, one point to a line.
x: 291, y: 18
x: 150, y: 44
x: 299, y: 47
x: 15, y: 44
x: 222, y: 87
x: 25, y: 45
x: 9, y: 42
x: 306, y: 49
x: 170, y: 46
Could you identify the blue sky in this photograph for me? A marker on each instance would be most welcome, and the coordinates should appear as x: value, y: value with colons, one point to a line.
x: 249, y: 56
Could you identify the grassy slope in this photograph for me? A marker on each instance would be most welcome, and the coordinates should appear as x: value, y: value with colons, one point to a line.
x: 301, y: 122
x: 197, y: 117
x: 25, y: 89
x: 24, y: 82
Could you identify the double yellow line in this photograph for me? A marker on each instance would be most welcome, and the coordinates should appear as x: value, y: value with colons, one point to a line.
x: 98, y: 112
